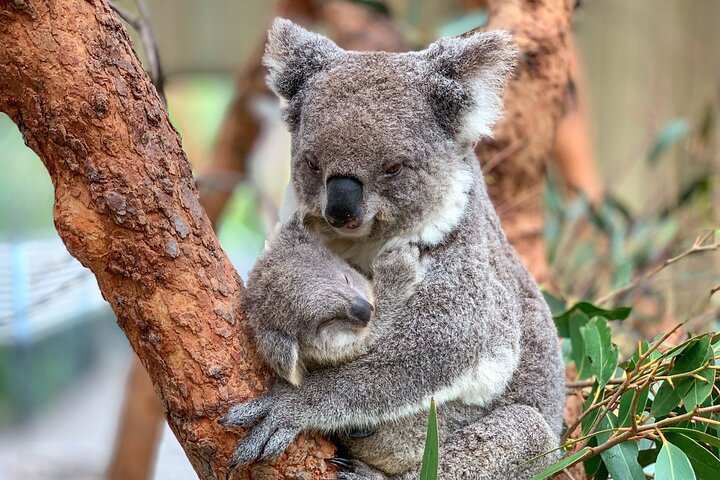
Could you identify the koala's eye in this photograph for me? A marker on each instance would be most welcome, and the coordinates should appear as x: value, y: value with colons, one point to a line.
x: 312, y: 164
x: 393, y: 169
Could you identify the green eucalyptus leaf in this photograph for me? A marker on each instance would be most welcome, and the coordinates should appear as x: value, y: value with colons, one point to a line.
x: 431, y: 455
x: 629, y: 365
x: 705, y: 464
x: 562, y: 319
x: 624, y: 414
x: 692, y: 357
x: 582, y: 363
x: 562, y: 464
x: 673, y: 464
x: 621, y: 460
x: 589, y: 420
x: 557, y: 305
x: 599, y: 347
x: 647, y: 457
x: 670, y: 134
x: 696, y: 435
x: 667, y: 398
x: 699, y: 390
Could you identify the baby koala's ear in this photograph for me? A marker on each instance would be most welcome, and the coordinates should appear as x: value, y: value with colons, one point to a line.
x: 470, y: 74
x: 294, y: 55
x: 281, y: 353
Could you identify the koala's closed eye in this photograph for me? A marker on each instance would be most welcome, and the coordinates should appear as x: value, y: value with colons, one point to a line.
x: 312, y: 163
x: 393, y: 168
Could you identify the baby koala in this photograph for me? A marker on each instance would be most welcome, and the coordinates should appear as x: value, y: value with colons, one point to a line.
x: 305, y: 305
x: 308, y: 308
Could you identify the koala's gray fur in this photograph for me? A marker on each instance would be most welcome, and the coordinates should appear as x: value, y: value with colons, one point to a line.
x: 475, y: 333
x: 308, y: 308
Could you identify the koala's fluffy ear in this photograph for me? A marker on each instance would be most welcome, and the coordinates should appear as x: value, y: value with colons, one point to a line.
x: 293, y: 55
x: 470, y: 76
x: 281, y: 353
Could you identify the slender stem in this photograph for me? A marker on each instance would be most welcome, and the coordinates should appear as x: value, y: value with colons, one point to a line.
x: 697, y: 247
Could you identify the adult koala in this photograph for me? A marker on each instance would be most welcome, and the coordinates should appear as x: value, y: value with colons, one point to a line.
x: 381, y: 159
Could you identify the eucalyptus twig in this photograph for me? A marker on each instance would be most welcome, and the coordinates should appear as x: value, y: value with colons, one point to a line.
x: 608, y: 408
x: 698, y: 246
x: 590, y: 383
x: 141, y: 24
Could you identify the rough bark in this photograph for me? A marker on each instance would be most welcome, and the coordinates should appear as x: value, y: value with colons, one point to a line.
x: 515, y: 160
x: 127, y: 208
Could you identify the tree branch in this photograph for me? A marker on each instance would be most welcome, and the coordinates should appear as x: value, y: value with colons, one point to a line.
x: 126, y: 206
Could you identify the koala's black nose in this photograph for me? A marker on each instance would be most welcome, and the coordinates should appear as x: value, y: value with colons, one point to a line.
x: 344, y: 202
x: 361, y: 310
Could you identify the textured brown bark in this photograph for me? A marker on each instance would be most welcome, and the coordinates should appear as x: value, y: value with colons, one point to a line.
x: 127, y: 208
x: 524, y: 139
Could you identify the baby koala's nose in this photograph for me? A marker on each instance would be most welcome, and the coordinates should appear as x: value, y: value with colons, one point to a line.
x: 361, y: 310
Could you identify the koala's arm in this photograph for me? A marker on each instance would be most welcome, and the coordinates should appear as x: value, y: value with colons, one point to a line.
x: 453, y: 339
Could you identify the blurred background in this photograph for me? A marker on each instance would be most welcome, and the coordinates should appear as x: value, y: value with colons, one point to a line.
x: 635, y: 181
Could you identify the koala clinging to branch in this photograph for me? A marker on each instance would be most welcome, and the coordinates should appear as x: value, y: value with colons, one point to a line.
x: 381, y: 159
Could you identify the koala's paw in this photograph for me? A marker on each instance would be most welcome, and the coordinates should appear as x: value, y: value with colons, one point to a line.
x: 396, y: 272
x: 356, y: 470
x: 276, y: 426
x: 267, y: 440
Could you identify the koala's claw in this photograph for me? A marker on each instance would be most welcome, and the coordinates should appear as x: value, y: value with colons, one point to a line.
x: 340, y: 462
x: 267, y: 440
x: 357, y: 470
x: 245, y: 414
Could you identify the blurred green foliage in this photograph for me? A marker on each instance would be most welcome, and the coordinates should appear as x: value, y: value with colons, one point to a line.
x: 26, y: 194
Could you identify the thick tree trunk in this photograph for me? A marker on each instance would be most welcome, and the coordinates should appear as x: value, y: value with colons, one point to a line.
x: 515, y: 160
x: 127, y: 208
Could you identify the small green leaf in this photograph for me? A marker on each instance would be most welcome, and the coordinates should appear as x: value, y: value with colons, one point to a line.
x: 667, y: 398
x: 673, y: 464
x: 599, y: 347
x: 705, y: 464
x: 620, y: 460
x: 647, y: 457
x: 557, y: 305
x: 562, y: 464
x: 698, y: 436
x: 630, y: 364
x: 699, y: 390
x: 562, y: 319
x: 693, y: 357
x: 431, y: 455
x: 624, y: 414
x: 669, y: 135
x: 582, y: 363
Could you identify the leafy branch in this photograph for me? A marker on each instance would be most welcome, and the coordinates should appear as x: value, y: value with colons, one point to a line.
x: 700, y: 245
x: 660, y: 406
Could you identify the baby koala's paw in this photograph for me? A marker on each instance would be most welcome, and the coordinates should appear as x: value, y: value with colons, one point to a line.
x: 396, y: 272
x: 355, y: 470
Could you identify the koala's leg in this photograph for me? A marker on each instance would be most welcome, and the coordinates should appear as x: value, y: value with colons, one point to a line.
x: 495, y: 448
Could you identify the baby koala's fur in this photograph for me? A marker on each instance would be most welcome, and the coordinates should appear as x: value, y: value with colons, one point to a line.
x: 306, y: 306
x: 474, y: 332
